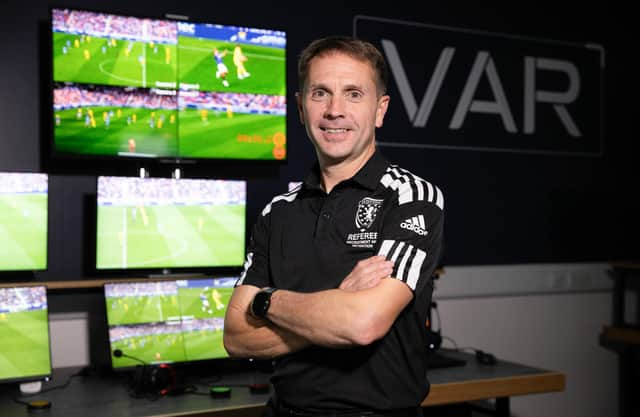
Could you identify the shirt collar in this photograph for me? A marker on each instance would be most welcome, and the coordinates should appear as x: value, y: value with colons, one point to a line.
x: 368, y: 176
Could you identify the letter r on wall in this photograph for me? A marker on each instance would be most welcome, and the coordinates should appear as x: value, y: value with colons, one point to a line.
x: 558, y: 99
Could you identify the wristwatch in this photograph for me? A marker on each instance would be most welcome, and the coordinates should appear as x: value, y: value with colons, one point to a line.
x: 261, y: 302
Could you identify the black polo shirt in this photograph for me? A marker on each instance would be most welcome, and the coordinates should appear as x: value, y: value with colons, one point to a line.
x: 307, y: 240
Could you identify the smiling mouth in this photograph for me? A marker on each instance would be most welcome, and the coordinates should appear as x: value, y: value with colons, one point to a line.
x: 333, y: 130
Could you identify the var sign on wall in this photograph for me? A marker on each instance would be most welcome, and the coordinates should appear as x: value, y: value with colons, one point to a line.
x: 471, y: 90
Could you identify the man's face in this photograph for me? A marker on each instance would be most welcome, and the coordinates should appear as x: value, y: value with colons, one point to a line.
x: 340, y: 107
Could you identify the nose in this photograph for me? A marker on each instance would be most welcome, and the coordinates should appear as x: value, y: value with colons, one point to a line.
x: 335, y: 107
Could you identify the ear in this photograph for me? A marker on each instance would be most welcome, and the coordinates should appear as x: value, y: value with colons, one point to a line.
x: 299, y: 106
x: 381, y: 110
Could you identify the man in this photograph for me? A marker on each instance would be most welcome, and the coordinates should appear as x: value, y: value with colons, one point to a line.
x: 338, y: 277
x: 221, y: 68
x: 239, y: 59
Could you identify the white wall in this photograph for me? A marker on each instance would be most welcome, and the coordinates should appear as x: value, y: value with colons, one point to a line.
x: 515, y: 315
x: 69, y: 339
x: 556, y: 332
x: 548, y: 316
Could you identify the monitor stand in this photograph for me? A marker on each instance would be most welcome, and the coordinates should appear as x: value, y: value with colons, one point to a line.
x: 166, y: 273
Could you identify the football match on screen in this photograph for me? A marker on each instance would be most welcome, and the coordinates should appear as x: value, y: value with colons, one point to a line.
x: 168, y: 321
x: 133, y: 87
x: 162, y: 222
x: 24, y: 331
x: 23, y: 221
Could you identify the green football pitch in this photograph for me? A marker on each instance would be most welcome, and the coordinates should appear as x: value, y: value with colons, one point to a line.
x: 102, y: 61
x: 213, y: 134
x: 23, y: 231
x: 150, y: 348
x: 241, y: 136
x: 24, y: 350
x: 153, y: 132
x: 204, y: 344
x: 178, y: 346
x: 125, y: 310
x: 95, y: 60
x: 142, y: 309
x: 265, y: 64
x: 170, y: 236
x: 189, y: 133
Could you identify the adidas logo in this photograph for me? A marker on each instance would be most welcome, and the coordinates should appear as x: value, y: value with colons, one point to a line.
x: 415, y: 224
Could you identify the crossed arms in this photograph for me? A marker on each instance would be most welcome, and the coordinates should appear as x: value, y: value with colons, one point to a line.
x: 359, y: 312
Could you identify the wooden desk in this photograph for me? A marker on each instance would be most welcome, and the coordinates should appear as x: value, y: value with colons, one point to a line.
x: 102, y: 397
x: 476, y: 381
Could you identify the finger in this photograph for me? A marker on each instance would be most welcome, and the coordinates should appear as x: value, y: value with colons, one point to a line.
x: 385, y: 267
x: 371, y: 260
x: 372, y: 265
x: 368, y: 273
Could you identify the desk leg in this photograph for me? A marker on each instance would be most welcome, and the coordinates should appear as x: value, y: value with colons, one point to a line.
x: 625, y: 381
x: 502, y: 407
x: 618, y: 297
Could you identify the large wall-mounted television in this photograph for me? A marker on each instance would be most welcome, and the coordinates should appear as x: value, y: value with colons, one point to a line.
x: 169, y: 224
x: 168, y: 321
x: 23, y: 221
x: 131, y: 87
x: 25, y: 353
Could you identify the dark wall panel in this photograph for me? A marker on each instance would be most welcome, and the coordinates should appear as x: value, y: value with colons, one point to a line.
x: 501, y: 207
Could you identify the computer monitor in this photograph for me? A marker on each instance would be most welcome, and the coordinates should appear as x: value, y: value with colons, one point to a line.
x: 23, y: 221
x: 24, y: 334
x: 128, y: 87
x: 171, y: 321
x: 164, y: 223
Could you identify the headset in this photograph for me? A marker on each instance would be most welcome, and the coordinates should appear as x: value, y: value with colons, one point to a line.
x: 153, y: 379
x: 150, y: 379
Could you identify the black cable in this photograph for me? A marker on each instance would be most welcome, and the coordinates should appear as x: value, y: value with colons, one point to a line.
x: 18, y: 400
x: 467, y: 348
x: 435, y: 308
x: 481, y: 356
x: 61, y: 386
x: 455, y: 345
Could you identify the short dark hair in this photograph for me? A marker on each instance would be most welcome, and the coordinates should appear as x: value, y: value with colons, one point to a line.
x: 355, y: 48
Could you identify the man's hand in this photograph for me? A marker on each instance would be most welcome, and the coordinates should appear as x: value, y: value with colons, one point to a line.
x: 367, y: 274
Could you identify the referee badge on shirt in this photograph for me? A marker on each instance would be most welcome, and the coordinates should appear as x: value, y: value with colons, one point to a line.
x: 367, y: 210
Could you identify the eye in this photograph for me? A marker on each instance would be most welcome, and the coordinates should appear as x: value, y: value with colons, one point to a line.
x: 319, y: 94
x: 354, y: 95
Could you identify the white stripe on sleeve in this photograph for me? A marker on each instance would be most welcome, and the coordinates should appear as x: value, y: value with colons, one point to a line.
x: 385, y: 247
x: 397, y: 252
x: 414, y: 270
x: 247, y: 265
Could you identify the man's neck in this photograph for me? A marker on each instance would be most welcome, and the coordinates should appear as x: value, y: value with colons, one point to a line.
x: 334, y: 172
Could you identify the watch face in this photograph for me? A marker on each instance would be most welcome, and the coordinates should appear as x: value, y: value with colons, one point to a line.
x: 260, y: 304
